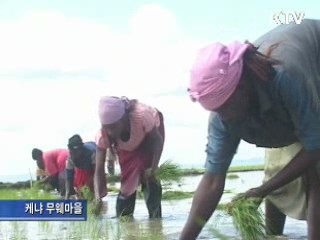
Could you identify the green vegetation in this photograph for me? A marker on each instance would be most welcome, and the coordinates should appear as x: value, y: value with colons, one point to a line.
x: 176, y: 195
x: 32, y: 193
x: 17, y: 185
x: 113, y: 189
x: 247, y: 218
x: 232, y: 176
x: 93, y: 228
x: 113, y: 178
x: 169, y: 172
x: 222, y: 206
x: 227, y: 191
x: 246, y: 168
x: 195, y: 171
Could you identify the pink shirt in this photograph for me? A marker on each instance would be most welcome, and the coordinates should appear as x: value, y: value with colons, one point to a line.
x: 55, y: 161
x: 142, y: 120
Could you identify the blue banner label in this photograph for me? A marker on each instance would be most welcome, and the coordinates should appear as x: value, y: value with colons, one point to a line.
x: 43, y: 210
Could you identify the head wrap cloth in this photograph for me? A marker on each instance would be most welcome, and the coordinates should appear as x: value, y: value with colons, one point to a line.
x: 215, y: 74
x: 112, y: 109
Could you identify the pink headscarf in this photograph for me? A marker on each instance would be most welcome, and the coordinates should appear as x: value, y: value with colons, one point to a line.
x: 112, y: 109
x: 216, y: 74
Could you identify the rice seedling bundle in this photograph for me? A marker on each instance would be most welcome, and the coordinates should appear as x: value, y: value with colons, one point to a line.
x: 248, y: 218
x: 169, y: 172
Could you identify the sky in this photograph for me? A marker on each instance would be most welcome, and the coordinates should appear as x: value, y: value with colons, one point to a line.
x: 57, y: 58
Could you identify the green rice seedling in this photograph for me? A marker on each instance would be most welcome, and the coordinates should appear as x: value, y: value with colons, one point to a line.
x: 222, y: 207
x: 29, y: 193
x: 42, y: 186
x: 246, y: 168
x: 19, y: 231
x: 227, y: 191
x: 169, y: 172
x: 232, y: 176
x: 176, y: 195
x: 8, y: 194
x: 85, y: 193
x: 92, y: 205
x: 248, y: 218
x: 113, y: 178
x: 192, y: 172
x: 91, y: 229
x: 34, y: 193
x: 113, y: 189
x: 45, y: 227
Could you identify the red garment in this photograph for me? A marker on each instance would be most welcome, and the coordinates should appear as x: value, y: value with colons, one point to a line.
x: 55, y: 161
x: 83, y: 178
x: 133, y: 163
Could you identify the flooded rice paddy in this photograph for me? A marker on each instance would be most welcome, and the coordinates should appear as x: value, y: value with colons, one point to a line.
x: 175, y: 213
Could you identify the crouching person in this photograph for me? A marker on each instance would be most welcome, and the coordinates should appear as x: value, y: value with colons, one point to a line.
x: 135, y: 133
x: 80, y: 165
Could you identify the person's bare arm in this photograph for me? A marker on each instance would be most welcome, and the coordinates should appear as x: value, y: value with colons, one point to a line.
x: 299, y: 165
x: 69, y: 183
x: 156, y: 145
x: 100, y: 181
x: 204, y: 203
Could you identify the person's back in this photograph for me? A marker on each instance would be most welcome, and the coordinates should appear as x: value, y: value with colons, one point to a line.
x: 55, y: 161
x: 80, y: 164
x: 299, y: 51
x: 87, y: 160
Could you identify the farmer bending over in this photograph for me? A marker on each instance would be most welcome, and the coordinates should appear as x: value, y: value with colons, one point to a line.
x: 268, y: 99
x: 135, y: 133
x: 53, y: 163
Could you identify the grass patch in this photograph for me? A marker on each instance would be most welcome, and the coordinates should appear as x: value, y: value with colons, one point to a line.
x: 227, y: 191
x: 113, y: 189
x: 113, y: 178
x: 247, y: 217
x: 176, y: 195
x: 170, y: 195
x: 16, y: 185
x: 232, y: 176
x: 194, y: 171
x: 31, y: 193
x: 222, y: 207
x: 246, y: 168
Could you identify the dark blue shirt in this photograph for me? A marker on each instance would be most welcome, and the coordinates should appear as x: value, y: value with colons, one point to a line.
x: 286, y: 115
x: 87, y: 162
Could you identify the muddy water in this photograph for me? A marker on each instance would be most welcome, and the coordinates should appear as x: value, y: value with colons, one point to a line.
x: 175, y: 213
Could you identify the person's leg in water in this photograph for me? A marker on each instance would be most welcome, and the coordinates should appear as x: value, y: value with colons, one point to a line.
x: 152, y: 191
x: 125, y: 205
x: 313, y: 198
x: 274, y: 218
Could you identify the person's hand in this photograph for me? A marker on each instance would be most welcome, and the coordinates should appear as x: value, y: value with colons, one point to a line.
x: 254, y: 193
